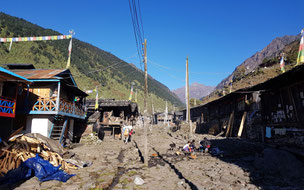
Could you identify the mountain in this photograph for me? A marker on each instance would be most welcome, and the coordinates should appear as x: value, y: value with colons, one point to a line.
x: 90, y: 65
x: 250, y: 64
x: 196, y: 90
x: 259, y: 68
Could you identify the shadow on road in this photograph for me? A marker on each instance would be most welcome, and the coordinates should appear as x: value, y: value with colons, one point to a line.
x: 268, y: 168
x: 177, y: 172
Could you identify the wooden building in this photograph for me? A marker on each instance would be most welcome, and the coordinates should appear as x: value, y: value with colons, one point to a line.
x: 226, y: 113
x: 271, y: 111
x: 162, y: 119
x: 283, y: 107
x: 113, y: 114
x: 11, y: 85
x: 52, y: 105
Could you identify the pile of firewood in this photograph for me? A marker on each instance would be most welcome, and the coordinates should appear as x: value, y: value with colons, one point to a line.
x: 21, y: 148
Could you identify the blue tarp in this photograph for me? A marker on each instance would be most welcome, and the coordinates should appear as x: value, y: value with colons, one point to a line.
x: 42, y: 169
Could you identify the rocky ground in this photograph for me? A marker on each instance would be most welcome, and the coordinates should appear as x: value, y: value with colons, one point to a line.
x: 243, y: 165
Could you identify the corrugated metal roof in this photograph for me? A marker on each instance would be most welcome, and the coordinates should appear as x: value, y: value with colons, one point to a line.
x: 11, y: 76
x: 39, y: 73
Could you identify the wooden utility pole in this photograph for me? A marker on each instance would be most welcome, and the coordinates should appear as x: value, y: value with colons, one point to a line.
x: 152, y: 110
x: 187, y: 98
x: 145, y: 106
x: 166, y: 114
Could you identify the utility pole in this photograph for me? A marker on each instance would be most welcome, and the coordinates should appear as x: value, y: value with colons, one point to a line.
x: 152, y: 110
x: 166, y: 114
x: 145, y: 106
x: 187, y: 98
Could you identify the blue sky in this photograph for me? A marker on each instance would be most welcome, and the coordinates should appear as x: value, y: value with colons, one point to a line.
x: 216, y: 35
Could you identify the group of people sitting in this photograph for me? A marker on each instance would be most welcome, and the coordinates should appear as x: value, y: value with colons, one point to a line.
x: 204, y: 146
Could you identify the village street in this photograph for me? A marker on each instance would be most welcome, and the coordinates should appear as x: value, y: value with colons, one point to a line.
x: 115, y: 165
x: 152, y: 95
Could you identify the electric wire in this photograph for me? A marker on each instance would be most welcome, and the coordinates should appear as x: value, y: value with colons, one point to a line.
x: 138, y: 30
x: 104, y: 68
x: 182, y: 71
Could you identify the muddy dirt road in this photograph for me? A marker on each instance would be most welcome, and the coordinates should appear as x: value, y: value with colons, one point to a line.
x: 243, y: 165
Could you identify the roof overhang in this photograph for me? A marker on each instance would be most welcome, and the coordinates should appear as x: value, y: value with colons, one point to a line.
x: 7, y: 75
x: 76, y: 91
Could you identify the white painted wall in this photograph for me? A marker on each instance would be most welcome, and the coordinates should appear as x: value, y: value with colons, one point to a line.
x: 40, y: 125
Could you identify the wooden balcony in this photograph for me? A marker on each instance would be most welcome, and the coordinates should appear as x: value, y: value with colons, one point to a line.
x: 7, y: 107
x: 48, y: 105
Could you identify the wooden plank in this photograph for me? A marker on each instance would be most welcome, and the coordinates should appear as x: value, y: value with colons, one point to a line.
x: 26, y: 145
x: 242, y: 124
x: 18, y: 163
x: 2, y: 162
x: 30, y: 140
x: 229, y: 124
x: 54, y: 160
x: 220, y: 134
x: 11, y: 165
x: 232, y: 124
x: 4, y: 170
x: 294, y: 104
x: 16, y: 132
x: 2, y: 153
x: 5, y: 160
x: 6, y: 147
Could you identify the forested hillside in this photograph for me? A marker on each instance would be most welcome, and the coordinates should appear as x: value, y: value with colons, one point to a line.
x: 90, y: 65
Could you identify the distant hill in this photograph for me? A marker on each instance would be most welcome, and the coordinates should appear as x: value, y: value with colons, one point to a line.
x: 260, y: 67
x: 196, y: 90
x: 90, y: 65
x: 270, y: 51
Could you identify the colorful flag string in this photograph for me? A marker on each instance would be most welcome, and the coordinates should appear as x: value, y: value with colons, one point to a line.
x: 38, y: 38
x: 42, y: 38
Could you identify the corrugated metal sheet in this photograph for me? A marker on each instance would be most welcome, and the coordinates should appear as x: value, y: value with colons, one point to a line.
x: 7, y: 75
x: 39, y: 73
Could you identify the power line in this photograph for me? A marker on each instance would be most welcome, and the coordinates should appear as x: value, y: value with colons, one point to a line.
x: 138, y: 30
x: 182, y: 71
x: 142, y: 25
x: 168, y: 73
x: 108, y: 67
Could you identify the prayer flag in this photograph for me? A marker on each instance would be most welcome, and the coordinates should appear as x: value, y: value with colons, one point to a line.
x: 282, y: 64
x: 96, y: 101
x: 70, y: 51
x: 131, y: 93
x: 300, y: 58
x: 38, y: 38
x: 231, y: 81
x: 10, y: 47
x: 136, y: 96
